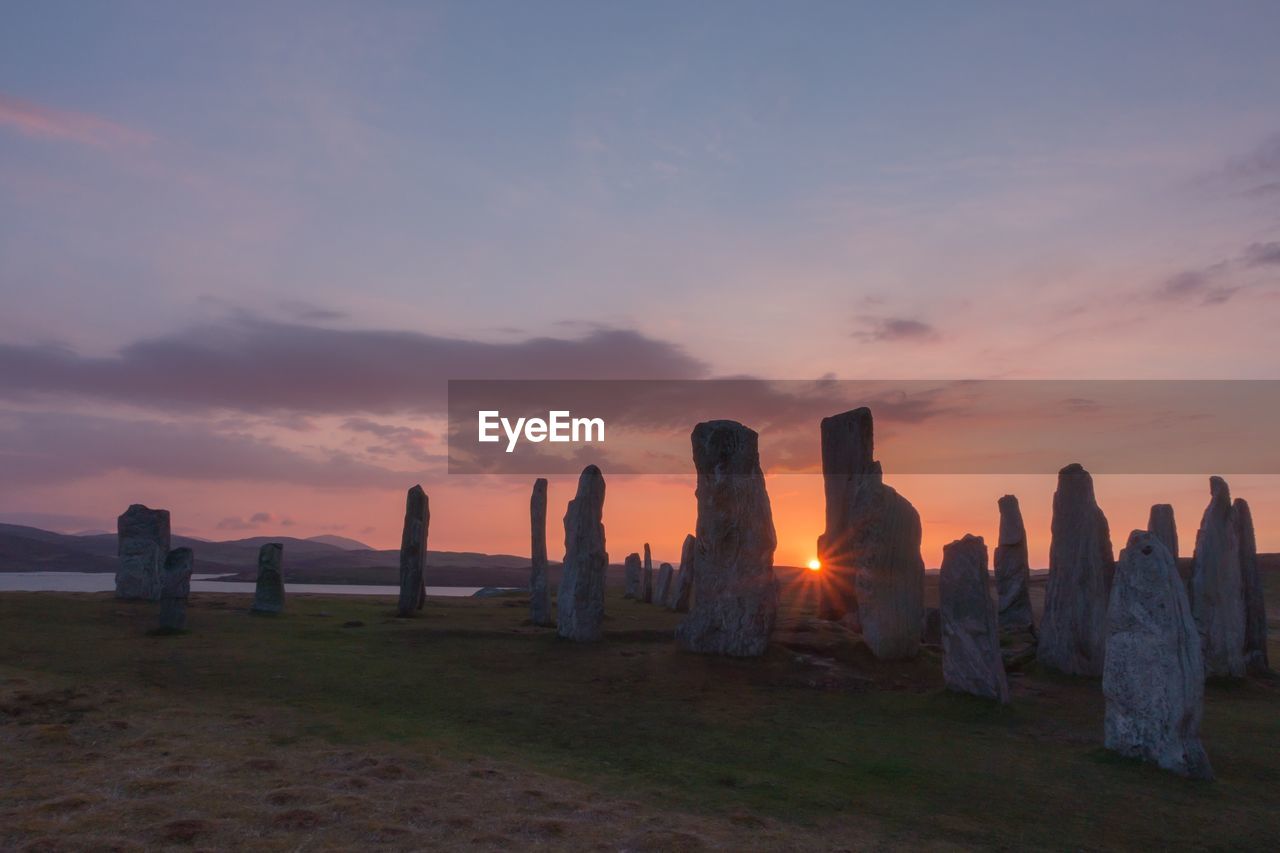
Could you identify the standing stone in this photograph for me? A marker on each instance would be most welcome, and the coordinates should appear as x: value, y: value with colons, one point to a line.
x: 269, y: 596
x: 1073, y: 631
x: 1162, y: 526
x: 539, y: 597
x: 175, y: 588
x: 683, y: 585
x: 142, y: 542
x: 631, y: 571
x: 735, y: 596
x: 581, y: 599
x: 873, y: 572
x: 1217, y: 598
x: 413, y: 552
x: 1013, y: 571
x: 662, y: 592
x: 647, y: 593
x: 1154, y: 676
x: 1255, y: 606
x: 971, y: 661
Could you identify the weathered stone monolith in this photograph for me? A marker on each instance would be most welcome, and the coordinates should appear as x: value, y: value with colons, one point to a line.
x: 413, y: 553
x: 539, y: 596
x: 1154, y: 676
x: 683, y: 585
x: 1161, y: 524
x: 735, y: 600
x: 646, y: 594
x: 1255, y: 605
x: 662, y: 589
x: 581, y: 596
x: 631, y: 570
x: 269, y: 596
x: 1073, y: 630
x: 1013, y: 571
x: 142, y: 545
x: 1217, y: 599
x: 175, y: 589
x: 971, y: 660
x: 873, y: 572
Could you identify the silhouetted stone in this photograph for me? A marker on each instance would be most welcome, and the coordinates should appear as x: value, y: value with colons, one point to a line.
x: 581, y: 597
x: 1154, y: 677
x: 646, y: 594
x: 413, y: 552
x: 631, y: 569
x: 873, y: 573
x: 1217, y: 598
x: 1162, y: 525
x: 269, y: 596
x: 1073, y: 630
x: 971, y: 660
x: 735, y: 601
x: 539, y: 596
x: 1255, y: 605
x: 175, y: 589
x: 1013, y: 571
x: 662, y: 591
x: 683, y: 586
x: 142, y: 542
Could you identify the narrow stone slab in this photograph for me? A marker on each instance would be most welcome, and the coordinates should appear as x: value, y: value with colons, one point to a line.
x: 142, y: 542
x: 662, y: 591
x: 1256, y: 659
x: 581, y: 596
x: 175, y: 589
x: 1073, y: 631
x: 1154, y: 675
x: 539, y: 597
x: 269, y: 595
x: 646, y: 593
x: 1013, y: 570
x: 1162, y: 525
x: 971, y: 660
x: 682, y: 589
x: 413, y: 553
x: 1217, y: 594
x: 735, y: 601
x: 631, y: 570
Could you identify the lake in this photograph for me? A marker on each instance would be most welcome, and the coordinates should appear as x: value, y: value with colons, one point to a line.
x: 106, y: 582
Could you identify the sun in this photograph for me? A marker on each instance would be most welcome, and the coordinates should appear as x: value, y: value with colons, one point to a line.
x: 814, y: 565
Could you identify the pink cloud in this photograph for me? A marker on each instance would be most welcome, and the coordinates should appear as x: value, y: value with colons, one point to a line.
x: 41, y: 122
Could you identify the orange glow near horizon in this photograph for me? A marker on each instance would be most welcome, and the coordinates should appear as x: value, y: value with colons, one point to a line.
x: 815, y: 565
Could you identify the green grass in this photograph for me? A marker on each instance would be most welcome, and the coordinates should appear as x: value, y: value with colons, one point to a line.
x: 635, y: 717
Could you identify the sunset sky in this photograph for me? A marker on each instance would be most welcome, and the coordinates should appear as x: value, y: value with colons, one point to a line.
x: 244, y: 246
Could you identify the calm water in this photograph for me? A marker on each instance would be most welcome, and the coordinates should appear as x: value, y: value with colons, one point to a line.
x: 106, y: 582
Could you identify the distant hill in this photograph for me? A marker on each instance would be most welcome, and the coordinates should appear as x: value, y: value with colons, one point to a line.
x: 342, y: 542
x: 318, y: 560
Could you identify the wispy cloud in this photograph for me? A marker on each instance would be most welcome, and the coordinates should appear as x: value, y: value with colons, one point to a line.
x: 896, y: 329
x: 41, y: 122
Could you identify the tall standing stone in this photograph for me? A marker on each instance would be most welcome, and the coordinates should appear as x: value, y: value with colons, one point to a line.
x: 581, y: 598
x: 971, y: 660
x: 1255, y: 606
x: 1162, y: 525
x: 1013, y: 570
x: 873, y: 571
x: 413, y: 553
x: 647, y: 592
x: 142, y: 545
x: 269, y: 596
x: 539, y: 597
x: 175, y: 589
x: 1073, y: 631
x: 735, y: 601
x: 631, y: 575
x: 1217, y: 598
x: 1154, y: 676
x: 683, y: 586
x: 662, y: 592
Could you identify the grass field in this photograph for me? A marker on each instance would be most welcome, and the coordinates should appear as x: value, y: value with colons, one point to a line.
x: 338, y: 725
